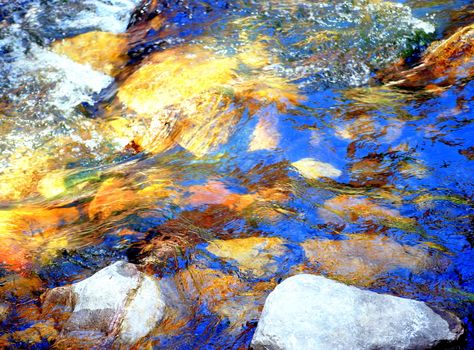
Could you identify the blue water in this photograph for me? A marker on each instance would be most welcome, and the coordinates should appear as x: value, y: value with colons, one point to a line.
x: 404, y: 152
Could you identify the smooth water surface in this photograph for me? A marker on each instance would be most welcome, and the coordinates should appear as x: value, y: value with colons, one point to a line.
x: 231, y: 145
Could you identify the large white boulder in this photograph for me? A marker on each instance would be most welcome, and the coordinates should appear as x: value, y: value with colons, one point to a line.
x: 313, y: 312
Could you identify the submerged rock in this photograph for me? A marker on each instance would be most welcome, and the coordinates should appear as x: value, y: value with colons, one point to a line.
x: 255, y: 256
x: 265, y: 135
x: 103, y: 51
x: 258, y: 204
x: 33, y: 234
x: 313, y: 169
x: 346, y: 208
x: 444, y: 63
x: 31, y: 336
x: 361, y: 258
x: 313, y: 312
x: 198, y: 291
x: 195, y: 98
x: 112, y: 196
x: 117, y: 304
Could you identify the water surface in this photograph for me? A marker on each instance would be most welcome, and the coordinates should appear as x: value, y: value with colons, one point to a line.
x: 257, y: 146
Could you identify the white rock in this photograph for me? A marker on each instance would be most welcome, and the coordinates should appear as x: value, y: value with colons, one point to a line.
x: 143, y: 312
x: 106, y: 289
x: 117, y: 300
x: 313, y: 169
x: 313, y: 312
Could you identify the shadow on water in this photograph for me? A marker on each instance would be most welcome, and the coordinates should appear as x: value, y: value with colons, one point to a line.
x: 224, y: 146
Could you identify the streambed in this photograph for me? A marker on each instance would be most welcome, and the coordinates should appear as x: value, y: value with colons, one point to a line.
x: 224, y: 146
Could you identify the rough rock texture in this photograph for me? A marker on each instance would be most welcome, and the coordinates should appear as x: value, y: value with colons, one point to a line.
x: 117, y: 302
x: 313, y: 312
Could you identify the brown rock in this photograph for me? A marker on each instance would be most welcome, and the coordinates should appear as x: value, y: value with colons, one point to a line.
x: 105, y: 52
x: 254, y: 256
x: 444, y: 63
x: 359, y: 259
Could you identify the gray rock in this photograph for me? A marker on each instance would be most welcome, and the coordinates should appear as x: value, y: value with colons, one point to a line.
x: 313, y: 312
x: 118, y: 302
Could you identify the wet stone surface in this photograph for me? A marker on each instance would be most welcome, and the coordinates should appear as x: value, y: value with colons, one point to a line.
x: 116, y: 302
x: 313, y: 312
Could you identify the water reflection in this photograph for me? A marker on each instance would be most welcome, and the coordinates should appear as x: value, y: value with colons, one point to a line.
x: 238, y: 144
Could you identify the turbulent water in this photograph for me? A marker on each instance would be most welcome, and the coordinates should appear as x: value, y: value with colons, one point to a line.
x: 240, y: 142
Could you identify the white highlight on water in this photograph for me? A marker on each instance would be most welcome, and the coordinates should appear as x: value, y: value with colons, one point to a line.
x: 107, y: 15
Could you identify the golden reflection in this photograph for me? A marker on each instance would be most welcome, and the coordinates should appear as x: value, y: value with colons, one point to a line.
x: 193, y: 97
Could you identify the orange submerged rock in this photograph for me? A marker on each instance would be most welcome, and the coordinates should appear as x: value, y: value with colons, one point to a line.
x: 112, y: 196
x: 29, y: 234
x: 360, y: 259
x: 353, y: 208
x: 193, y: 97
x: 444, y: 63
x: 259, y: 202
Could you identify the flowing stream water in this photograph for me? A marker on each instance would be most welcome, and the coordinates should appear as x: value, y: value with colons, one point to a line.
x: 227, y: 145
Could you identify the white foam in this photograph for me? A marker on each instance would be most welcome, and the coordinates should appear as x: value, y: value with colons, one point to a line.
x: 74, y: 82
x: 427, y: 27
x: 110, y: 16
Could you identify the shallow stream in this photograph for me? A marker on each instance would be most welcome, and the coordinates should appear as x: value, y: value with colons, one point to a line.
x: 227, y: 145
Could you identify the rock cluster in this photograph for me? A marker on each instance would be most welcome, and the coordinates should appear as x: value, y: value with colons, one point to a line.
x: 119, y: 306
